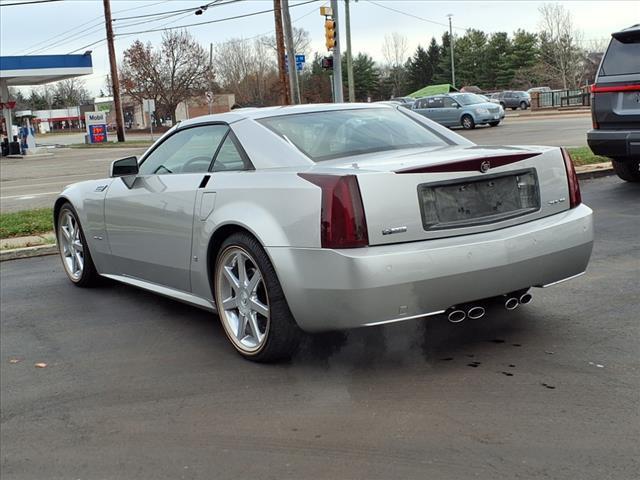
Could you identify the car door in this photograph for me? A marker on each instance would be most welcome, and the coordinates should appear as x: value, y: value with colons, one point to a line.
x: 450, y: 112
x: 149, y: 225
x: 230, y: 163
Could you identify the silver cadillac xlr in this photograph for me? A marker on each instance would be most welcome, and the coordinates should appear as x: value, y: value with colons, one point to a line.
x: 325, y: 217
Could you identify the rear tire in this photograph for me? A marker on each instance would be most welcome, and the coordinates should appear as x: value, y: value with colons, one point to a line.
x: 467, y: 122
x: 251, y: 305
x: 494, y: 124
x: 523, y: 105
x: 628, y: 171
x: 514, y: 108
x: 74, y: 251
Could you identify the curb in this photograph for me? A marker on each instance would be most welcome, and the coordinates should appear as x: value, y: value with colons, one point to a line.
x: 28, y: 252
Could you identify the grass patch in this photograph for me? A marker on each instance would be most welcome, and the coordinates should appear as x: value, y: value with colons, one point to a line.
x: 584, y: 156
x: 126, y: 144
x: 26, y: 222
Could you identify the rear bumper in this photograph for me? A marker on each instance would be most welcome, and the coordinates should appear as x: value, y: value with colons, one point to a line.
x: 615, y: 143
x: 340, y: 289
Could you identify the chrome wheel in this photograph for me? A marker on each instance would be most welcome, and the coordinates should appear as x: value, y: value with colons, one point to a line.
x: 71, y: 246
x: 467, y: 122
x: 242, y: 300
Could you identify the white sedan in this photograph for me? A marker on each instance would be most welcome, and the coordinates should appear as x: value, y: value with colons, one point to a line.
x: 324, y: 217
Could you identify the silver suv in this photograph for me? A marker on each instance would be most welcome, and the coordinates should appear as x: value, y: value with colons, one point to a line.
x: 615, y: 105
x: 513, y: 99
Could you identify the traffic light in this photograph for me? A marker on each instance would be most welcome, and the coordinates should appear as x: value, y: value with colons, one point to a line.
x: 327, y: 63
x: 330, y: 33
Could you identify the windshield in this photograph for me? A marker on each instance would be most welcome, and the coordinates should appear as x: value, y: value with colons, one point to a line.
x: 469, y: 99
x: 342, y: 133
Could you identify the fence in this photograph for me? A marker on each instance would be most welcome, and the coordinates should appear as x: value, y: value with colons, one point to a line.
x: 561, y: 98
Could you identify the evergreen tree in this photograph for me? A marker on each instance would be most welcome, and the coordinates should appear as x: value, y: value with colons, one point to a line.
x: 469, y: 54
x: 365, y: 76
x: 420, y: 70
x: 443, y: 74
x: 433, y: 55
x: 496, y: 61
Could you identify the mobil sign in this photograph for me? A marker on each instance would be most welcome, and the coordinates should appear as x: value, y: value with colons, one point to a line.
x: 96, y: 123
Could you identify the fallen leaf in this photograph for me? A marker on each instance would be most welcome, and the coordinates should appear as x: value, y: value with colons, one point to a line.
x: 13, y: 360
x: 41, y: 365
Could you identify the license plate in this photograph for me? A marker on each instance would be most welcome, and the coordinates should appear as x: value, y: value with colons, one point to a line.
x: 478, y: 201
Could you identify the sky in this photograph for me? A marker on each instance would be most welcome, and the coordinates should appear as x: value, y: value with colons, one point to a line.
x: 65, y: 26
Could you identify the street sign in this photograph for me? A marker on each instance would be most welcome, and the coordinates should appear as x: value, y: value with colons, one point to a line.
x: 300, y: 61
x: 149, y: 105
x: 209, y: 96
x: 96, y: 123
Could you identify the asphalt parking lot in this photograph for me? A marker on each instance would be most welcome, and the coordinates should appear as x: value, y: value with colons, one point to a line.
x: 138, y: 386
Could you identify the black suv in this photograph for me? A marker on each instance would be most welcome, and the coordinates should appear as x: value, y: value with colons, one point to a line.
x: 615, y: 105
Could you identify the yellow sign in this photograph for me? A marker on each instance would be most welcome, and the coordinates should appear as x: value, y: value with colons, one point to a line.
x: 326, y: 11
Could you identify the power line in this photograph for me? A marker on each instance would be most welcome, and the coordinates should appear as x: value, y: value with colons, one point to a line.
x: 211, y: 21
x: 413, y: 16
x: 92, y: 21
x: 215, y: 3
x: 27, y: 3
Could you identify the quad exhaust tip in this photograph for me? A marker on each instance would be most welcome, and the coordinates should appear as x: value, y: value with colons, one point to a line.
x: 511, y: 303
x: 476, y: 312
x: 526, y: 298
x: 456, y: 315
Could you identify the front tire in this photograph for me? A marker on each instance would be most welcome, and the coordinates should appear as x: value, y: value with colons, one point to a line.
x: 467, y: 122
x: 628, y: 171
x: 494, y: 124
x: 74, y: 251
x: 254, y: 314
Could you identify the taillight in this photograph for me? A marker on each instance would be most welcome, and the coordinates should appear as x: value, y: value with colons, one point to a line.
x: 634, y: 87
x: 575, y: 198
x: 342, y: 220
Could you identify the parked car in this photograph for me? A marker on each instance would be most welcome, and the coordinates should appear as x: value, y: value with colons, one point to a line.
x: 615, y: 105
x: 513, y: 99
x: 488, y: 98
x: 459, y: 109
x: 325, y: 217
x: 538, y: 90
x: 405, y: 101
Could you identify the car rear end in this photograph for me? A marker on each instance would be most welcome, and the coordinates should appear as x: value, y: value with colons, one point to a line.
x: 415, y: 233
x: 615, y: 102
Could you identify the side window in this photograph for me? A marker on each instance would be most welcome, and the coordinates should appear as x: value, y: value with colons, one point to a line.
x: 435, y: 102
x: 449, y: 102
x: 187, y: 151
x: 229, y: 157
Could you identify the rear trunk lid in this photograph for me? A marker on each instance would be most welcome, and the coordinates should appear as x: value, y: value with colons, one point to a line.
x: 616, y: 94
x: 419, y: 194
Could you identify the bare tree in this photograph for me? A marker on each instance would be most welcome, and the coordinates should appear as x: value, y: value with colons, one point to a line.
x: 177, y: 71
x: 559, y: 42
x: 301, y: 41
x: 394, y: 51
x: 70, y: 92
x: 248, y: 69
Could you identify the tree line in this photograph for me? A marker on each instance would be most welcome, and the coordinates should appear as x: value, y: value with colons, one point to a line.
x: 180, y: 68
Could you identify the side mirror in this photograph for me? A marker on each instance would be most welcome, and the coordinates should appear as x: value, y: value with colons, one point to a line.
x: 124, y: 167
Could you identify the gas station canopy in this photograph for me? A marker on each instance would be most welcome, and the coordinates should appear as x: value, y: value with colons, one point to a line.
x: 41, y: 69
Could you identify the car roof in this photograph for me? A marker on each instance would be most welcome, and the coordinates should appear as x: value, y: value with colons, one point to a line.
x: 266, y: 112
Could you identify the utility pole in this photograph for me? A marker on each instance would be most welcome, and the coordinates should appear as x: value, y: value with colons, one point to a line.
x: 347, y: 21
x: 285, y: 99
x: 337, y: 65
x: 115, y: 83
x: 453, y: 68
x: 294, y: 88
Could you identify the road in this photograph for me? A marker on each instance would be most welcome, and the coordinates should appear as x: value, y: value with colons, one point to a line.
x: 32, y: 183
x: 138, y: 386
x: 36, y: 182
x: 560, y: 131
